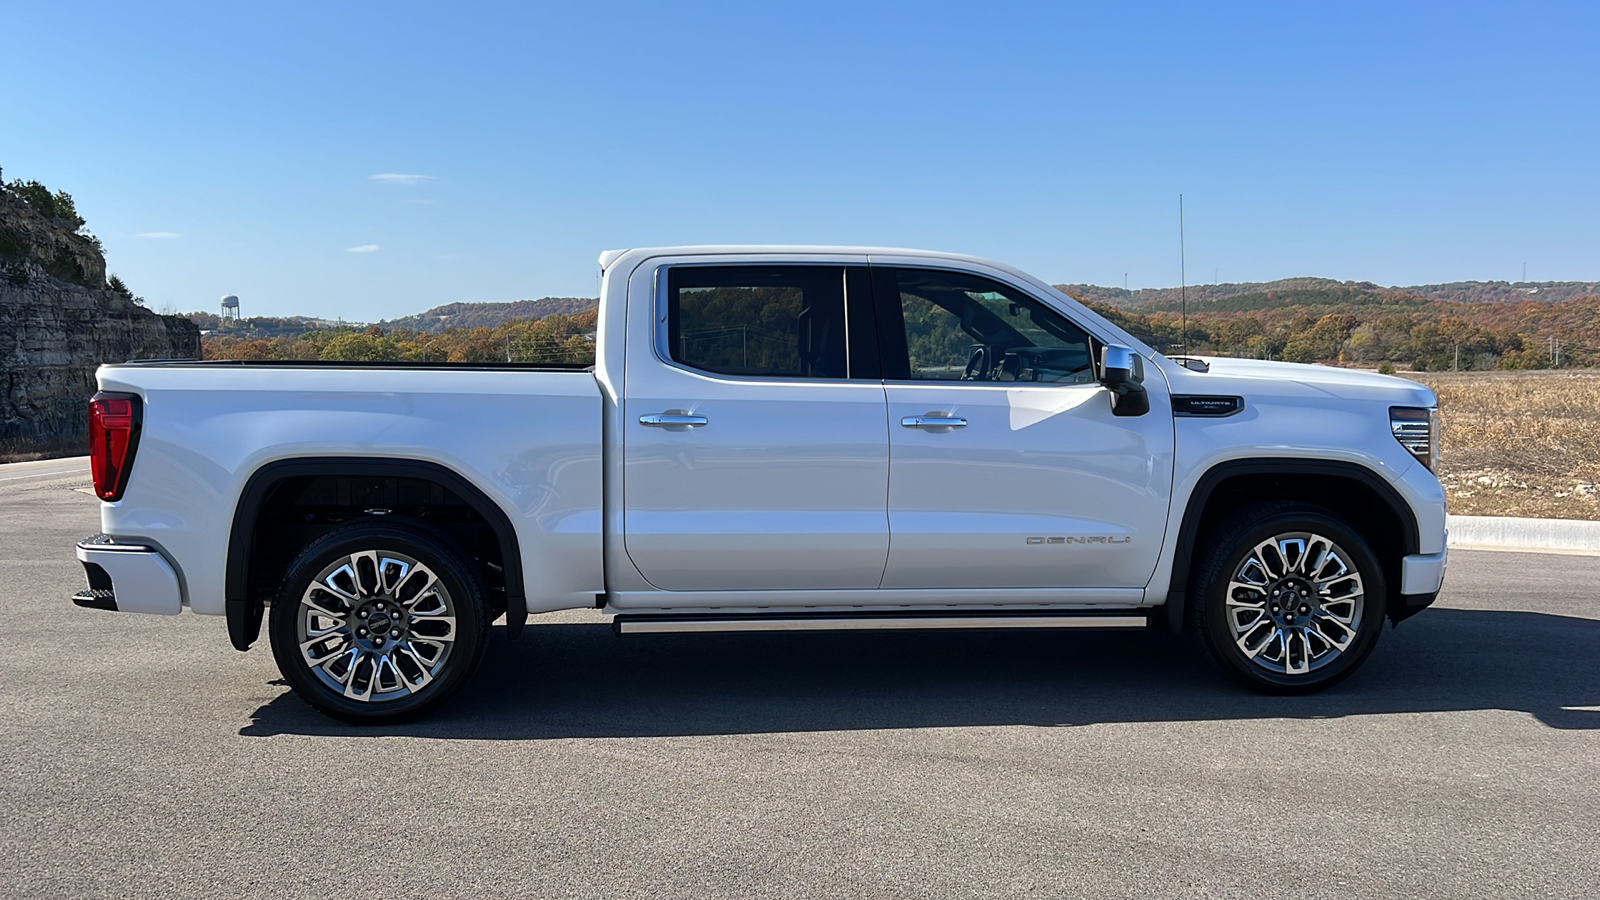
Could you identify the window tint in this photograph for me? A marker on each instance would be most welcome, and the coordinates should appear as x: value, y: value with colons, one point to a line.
x: 961, y: 327
x: 769, y: 321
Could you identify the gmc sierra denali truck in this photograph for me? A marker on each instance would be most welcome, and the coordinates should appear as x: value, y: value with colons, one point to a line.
x: 771, y: 438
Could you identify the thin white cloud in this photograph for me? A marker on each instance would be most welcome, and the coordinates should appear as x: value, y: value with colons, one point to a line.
x: 398, y: 178
x: 159, y: 235
x: 364, y: 248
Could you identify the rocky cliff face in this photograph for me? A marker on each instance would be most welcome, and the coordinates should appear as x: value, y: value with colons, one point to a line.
x: 59, y: 320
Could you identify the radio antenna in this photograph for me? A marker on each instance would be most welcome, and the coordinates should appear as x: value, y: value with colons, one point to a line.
x: 1183, y: 281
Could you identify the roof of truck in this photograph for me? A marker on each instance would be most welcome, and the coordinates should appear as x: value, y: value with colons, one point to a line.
x: 610, y: 256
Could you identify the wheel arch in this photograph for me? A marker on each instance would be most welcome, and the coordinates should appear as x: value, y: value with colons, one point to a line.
x: 244, y: 607
x: 1370, y: 504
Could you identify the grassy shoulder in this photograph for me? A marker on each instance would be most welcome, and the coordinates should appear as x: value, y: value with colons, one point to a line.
x: 1520, y: 443
x: 29, y: 449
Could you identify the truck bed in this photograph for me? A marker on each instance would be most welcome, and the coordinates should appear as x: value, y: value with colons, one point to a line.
x: 527, y: 436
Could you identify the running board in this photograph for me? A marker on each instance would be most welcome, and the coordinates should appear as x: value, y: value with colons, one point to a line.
x: 906, y: 621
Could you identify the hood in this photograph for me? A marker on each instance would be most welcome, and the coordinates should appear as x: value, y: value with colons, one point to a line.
x: 1256, y: 376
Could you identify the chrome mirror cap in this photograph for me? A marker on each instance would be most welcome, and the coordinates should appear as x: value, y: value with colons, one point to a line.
x: 1120, y: 365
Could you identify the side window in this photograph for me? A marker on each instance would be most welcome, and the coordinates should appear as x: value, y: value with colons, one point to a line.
x: 766, y: 321
x: 961, y: 327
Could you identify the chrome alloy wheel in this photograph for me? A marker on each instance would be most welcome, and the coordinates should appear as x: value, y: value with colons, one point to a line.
x: 1295, y: 603
x: 376, y: 626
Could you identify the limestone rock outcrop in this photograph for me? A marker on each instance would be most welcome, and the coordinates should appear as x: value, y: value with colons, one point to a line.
x: 59, y: 320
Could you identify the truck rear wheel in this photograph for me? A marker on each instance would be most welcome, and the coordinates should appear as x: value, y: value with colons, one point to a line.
x: 378, y: 622
x: 1287, y: 599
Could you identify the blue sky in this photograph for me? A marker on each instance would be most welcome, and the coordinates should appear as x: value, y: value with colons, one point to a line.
x: 230, y: 148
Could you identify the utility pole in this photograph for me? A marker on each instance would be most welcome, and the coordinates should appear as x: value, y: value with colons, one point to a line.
x: 1457, y: 366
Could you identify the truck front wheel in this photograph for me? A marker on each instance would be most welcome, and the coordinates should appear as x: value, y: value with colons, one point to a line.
x: 1287, y: 598
x: 378, y: 622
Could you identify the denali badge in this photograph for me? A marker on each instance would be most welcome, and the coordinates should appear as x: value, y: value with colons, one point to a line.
x: 1083, y: 539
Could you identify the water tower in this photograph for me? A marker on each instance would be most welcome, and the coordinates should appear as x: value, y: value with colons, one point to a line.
x: 230, y: 310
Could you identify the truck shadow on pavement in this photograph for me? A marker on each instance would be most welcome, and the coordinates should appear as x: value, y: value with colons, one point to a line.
x: 579, y: 681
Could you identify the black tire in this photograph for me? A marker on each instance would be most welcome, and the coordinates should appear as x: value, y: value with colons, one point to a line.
x: 1298, y: 644
x: 432, y: 637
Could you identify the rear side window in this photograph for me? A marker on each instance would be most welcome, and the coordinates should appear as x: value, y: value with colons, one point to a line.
x: 763, y: 321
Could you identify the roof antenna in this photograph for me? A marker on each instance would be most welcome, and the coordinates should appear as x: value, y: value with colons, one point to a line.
x: 1183, y: 280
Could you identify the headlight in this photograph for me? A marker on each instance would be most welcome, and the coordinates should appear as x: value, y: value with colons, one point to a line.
x: 1417, y: 430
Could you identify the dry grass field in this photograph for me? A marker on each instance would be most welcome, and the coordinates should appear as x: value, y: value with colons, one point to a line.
x: 26, y: 450
x: 1520, y: 443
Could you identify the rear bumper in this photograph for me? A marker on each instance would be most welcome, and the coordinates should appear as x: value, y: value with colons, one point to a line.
x: 128, y: 578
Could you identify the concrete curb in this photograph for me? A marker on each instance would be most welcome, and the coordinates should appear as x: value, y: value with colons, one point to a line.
x: 45, y: 463
x: 1528, y: 535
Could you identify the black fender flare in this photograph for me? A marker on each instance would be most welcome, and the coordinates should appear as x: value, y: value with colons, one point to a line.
x: 1188, y: 531
x: 244, y: 612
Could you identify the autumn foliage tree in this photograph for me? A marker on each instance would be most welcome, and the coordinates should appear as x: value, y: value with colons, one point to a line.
x: 558, y: 339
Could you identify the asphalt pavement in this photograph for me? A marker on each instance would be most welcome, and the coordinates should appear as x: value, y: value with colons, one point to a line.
x: 143, y: 757
x: 12, y: 473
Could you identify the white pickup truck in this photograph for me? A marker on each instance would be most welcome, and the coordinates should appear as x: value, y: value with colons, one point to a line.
x: 772, y: 438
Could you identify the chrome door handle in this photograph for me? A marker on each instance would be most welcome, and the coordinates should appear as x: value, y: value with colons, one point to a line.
x: 933, y: 421
x: 662, y: 420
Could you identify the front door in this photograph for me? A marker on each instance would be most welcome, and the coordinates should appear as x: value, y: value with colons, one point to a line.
x: 756, y: 455
x: 1007, y: 467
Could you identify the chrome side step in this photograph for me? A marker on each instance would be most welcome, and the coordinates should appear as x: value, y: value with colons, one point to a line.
x: 907, y: 621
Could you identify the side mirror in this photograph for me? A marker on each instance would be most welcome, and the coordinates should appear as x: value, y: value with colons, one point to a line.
x: 1122, y: 370
x: 1119, y: 365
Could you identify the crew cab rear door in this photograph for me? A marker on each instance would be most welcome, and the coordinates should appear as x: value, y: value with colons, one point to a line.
x: 754, y: 439
x: 1007, y: 467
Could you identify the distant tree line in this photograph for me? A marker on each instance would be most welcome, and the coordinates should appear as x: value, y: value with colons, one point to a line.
x: 1422, y: 336
x: 491, y: 315
x: 1151, y: 299
x: 562, y: 339
x: 1428, y: 336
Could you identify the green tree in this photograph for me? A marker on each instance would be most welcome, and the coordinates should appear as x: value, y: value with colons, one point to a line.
x: 57, y: 205
x: 359, y: 348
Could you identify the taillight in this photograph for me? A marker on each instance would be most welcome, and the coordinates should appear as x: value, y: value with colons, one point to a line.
x: 114, y: 421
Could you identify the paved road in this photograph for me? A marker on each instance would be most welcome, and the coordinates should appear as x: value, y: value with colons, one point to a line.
x: 13, y: 473
x: 144, y: 758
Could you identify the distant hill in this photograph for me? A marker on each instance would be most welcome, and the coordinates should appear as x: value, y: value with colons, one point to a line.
x: 491, y: 315
x: 1467, y: 325
x: 1462, y: 325
x: 1327, y: 292
x: 1506, y: 291
x: 264, y: 326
